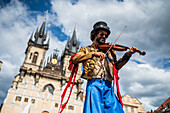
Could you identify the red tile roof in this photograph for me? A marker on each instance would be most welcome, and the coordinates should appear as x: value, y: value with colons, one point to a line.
x: 164, y: 104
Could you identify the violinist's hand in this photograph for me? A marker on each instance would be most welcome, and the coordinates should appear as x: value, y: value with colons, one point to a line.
x: 99, y: 54
x: 132, y: 50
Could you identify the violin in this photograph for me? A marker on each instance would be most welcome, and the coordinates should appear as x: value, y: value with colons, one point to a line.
x: 117, y: 47
x: 106, y: 47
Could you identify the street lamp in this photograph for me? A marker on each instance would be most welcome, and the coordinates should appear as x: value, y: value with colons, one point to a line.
x: 0, y: 64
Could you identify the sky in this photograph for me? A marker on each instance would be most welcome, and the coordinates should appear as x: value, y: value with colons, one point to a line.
x: 147, y: 29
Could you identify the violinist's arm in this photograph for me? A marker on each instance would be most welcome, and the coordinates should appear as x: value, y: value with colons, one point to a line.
x: 122, y: 61
x: 82, y: 55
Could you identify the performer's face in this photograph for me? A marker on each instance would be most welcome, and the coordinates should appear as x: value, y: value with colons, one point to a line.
x: 101, y: 37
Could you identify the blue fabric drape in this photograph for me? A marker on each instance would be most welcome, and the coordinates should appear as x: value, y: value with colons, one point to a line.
x: 100, y: 98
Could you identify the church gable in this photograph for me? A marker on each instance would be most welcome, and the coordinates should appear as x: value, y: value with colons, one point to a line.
x: 137, y: 101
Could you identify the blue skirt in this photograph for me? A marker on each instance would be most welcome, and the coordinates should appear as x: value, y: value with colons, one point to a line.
x: 100, y: 98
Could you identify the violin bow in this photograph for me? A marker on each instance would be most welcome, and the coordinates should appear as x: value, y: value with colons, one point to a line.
x: 116, y: 40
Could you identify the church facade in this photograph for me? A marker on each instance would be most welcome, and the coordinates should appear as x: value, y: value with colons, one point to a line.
x: 39, y: 85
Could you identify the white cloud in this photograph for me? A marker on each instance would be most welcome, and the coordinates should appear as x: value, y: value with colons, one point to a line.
x: 146, y: 21
x: 148, y: 29
x: 146, y: 83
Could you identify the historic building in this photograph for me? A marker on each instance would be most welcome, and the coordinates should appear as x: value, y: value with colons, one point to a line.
x: 132, y: 105
x: 163, y: 108
x: 40, y: 83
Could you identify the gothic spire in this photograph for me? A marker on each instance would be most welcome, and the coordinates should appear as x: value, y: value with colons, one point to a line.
x: 74, y: 38
x: 74, y: 44
x: 68, y: 43
x: 42, y: 29
x: 40, y: 36
x: 48, y: 42
x: 31, y: 37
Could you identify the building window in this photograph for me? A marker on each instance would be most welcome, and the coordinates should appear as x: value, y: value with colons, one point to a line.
x: 30, y: 56
x: 45, y: 112
x: 128, y: 100
x: 49, y: 87
x: 80, y: 95
x: 132, y: 110
x: 34, y: 60
x: 71, y: 107
x: 33, y: 101
x: 26, y: 100
x: 126, y: 108
x: 56, y: 104
x: 168, y: 105
x: 18, y: 98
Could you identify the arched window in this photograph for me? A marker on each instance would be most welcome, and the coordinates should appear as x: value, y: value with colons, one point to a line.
x: 30, y: 55
x: 49, y: 87
x: 34, y: 60
x: 71, y: 107
x: 45, y: 112
x: 80, y: 96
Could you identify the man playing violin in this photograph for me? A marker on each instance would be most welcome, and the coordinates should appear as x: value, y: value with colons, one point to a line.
x: 98, y: 70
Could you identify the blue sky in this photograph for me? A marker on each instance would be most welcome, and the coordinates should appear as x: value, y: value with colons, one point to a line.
x: 147, y: 29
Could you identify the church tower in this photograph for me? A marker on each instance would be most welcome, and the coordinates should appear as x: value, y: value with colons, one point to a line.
x: 34, y: 56
x: 71, y: 48
x: 37, y: 47
x: 40, y: 83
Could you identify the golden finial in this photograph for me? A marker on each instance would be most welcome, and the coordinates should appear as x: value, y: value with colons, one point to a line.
x: 46, y: 15
x: 47, y: 12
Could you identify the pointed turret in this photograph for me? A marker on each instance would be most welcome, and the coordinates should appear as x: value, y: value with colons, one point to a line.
x: 71, y: 48
x: 74, y: 44
x: 40, y: 36
x: 78, y: 43
x: 42, y: 29
x: 31, y: 37
x: 36, y: 35
x: 48, y: 42
x: 68, y: 43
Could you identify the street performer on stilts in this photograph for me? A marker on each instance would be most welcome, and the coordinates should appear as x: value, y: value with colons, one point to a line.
x: 98, y: 70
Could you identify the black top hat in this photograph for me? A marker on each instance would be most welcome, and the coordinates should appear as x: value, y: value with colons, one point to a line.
x: 101, y: 25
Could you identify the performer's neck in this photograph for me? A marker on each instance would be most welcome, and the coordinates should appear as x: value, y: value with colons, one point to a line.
x: 96, y: 44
